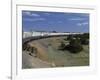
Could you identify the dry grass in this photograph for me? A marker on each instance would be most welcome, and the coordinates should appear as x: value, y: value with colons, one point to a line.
x: 48, y: 51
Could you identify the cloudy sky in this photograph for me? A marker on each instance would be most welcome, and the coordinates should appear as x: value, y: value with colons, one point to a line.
x: 55, y: 21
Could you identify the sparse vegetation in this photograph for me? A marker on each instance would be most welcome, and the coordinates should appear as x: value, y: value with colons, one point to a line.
x: 62, y: 45
x: 59, y: 50
x: 75, y: 42
x: 70, y: 37
x: 74, y: 46
x: 85, y: 39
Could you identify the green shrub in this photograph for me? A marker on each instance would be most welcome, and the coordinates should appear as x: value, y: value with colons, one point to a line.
x: 70, y: 37
x: 62, y: 45
x: 85, y: 39
x: 86, y: 35
x: 76, y: 42
x: 74, y: 46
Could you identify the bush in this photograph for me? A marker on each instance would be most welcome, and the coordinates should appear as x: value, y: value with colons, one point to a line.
x: 70, y: 37
x: 75, y: 42
x: 75, y: 46
x: 86, y: 35
x: 62, y: 45
x: 85, y: 39
x: 77, y: 36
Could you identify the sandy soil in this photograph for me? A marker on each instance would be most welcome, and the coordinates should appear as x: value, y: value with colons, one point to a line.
x: 48, y: 55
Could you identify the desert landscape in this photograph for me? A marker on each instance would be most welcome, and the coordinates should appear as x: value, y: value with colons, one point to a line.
x: 55, y: 39
x: 48, y: 54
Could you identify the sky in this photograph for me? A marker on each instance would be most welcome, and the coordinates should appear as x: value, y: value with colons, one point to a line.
x: 55, y: 21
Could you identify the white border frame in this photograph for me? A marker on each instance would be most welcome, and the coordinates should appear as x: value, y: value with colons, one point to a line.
x: 18, y: 73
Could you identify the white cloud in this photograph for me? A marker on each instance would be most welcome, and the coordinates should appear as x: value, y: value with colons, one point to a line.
x: 76, y: 19
x: 35, y: 19
x: 36, y: 15
x: 31, y: 14
x: 82, y: 24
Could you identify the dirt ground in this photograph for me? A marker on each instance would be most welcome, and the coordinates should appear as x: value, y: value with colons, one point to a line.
x: 48, y: 55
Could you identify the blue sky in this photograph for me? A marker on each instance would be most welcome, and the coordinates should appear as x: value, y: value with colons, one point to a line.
x: 55, y: 21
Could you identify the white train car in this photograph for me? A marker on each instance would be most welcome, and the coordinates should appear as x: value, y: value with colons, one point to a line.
x: 44, y: 33
x: 56, y: 34
x: 40, y: 33
x: 27, y: 34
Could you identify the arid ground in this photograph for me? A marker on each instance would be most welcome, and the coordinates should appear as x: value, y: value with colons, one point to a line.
x: 48, y: 55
